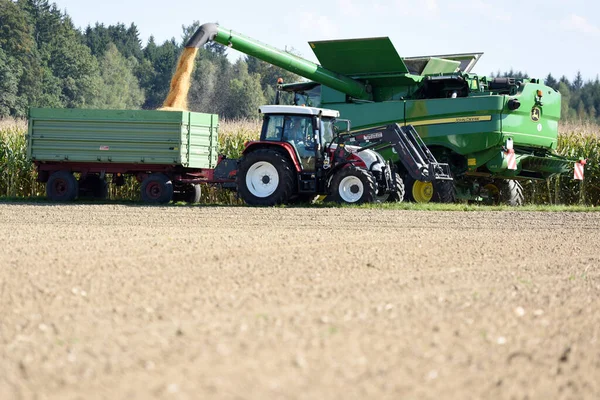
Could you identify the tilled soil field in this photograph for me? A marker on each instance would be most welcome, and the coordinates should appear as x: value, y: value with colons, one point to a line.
x: 117, y: 301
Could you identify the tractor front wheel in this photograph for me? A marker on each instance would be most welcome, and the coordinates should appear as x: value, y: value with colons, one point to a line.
x: 265, y: 178
x: 353, y: 185
x: 398, y: 195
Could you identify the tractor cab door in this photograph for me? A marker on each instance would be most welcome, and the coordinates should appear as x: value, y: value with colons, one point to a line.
x: 299, y: 131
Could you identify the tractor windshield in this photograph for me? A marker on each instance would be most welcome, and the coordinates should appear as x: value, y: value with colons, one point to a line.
x: 327, y: 134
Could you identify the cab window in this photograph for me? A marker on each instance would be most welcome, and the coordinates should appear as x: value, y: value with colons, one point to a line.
x: 274, y: 128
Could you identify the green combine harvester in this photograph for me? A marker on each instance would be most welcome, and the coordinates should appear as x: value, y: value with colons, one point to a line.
x: 493, y: 132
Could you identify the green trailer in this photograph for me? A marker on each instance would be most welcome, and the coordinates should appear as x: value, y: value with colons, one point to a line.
x: 493, y: 132
x: 169, y: 152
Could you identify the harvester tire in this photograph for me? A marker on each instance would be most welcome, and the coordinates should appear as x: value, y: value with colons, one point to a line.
x: 398, y: 195
x: 94, y: 187
x: 417, y: 191
x: 511, y: 193
x: 353, y: 185
x: 157, y: 189
x: 444, y: 192
x: 62, y: 186
x: 441, y: 191
x: 266, y: 178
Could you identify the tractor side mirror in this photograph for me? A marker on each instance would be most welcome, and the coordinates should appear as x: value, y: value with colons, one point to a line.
x: 345, y: 129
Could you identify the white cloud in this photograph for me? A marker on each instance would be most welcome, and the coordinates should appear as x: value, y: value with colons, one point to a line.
x: 579, y: 24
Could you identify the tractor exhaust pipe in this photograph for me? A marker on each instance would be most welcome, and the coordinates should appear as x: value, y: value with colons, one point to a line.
x: 203, y: 35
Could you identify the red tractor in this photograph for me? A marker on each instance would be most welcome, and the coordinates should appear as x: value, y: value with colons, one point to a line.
x: 301, y: 154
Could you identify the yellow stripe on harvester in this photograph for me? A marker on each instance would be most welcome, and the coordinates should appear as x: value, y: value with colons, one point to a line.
x: 475, y: 118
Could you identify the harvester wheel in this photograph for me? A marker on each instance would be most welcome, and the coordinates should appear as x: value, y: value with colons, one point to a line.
x: 511, y: 192
x: 504, y: 191
x: 92, y: 186
x: 157, y: 189
x: 417, y: 191
x: 424, y: 192
x: 62, y: 186
x: 398, y: 195
x: 265, y: 178
x: 444, y: 192
x: 353, y: 185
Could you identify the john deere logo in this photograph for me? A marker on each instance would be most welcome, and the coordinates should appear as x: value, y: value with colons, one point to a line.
x: 536, y: 114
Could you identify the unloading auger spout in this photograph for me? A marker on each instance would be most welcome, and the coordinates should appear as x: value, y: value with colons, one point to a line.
x: 290, y: 62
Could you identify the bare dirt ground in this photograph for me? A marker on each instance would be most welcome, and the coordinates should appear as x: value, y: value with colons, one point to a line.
x: 117, y: 301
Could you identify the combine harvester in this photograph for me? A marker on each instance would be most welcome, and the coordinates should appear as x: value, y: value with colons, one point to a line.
x: 492, y: 132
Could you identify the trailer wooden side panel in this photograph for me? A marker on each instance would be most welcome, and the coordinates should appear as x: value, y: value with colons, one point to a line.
x: 125, y: 136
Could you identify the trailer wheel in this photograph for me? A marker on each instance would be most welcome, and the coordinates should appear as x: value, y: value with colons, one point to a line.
x: 265, y: 178
x: 62, y: 186
x: 157, y: 189
x: 353, y: 185
x: 92, y: 186
x: 398, y: 195
x: 188, y: 192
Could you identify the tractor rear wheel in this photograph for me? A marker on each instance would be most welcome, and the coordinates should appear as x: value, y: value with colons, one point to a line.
x: 353, y: 185
x: 265, y: 178
x: 62, y: 186
x: 157, y: 189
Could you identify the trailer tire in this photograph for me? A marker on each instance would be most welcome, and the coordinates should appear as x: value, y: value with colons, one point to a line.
x: 353, y: 185
x: 398, y: 195
x: 265, y: 178
x: 188, y: 192
x: 92, y: 186
x: 62, y: 186
x: 157, y: 189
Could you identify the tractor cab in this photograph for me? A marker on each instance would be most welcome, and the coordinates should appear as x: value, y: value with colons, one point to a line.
x: 305, y: 131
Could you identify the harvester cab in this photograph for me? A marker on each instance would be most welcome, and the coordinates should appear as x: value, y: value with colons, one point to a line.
x: 302, y: 154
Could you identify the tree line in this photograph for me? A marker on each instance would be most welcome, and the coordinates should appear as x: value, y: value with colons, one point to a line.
x: 45, y: 61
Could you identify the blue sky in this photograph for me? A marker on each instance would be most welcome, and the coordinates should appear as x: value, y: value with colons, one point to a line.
x: 536, y: 36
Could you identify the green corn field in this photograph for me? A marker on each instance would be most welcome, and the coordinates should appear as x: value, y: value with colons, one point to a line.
x: 18, y: 177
